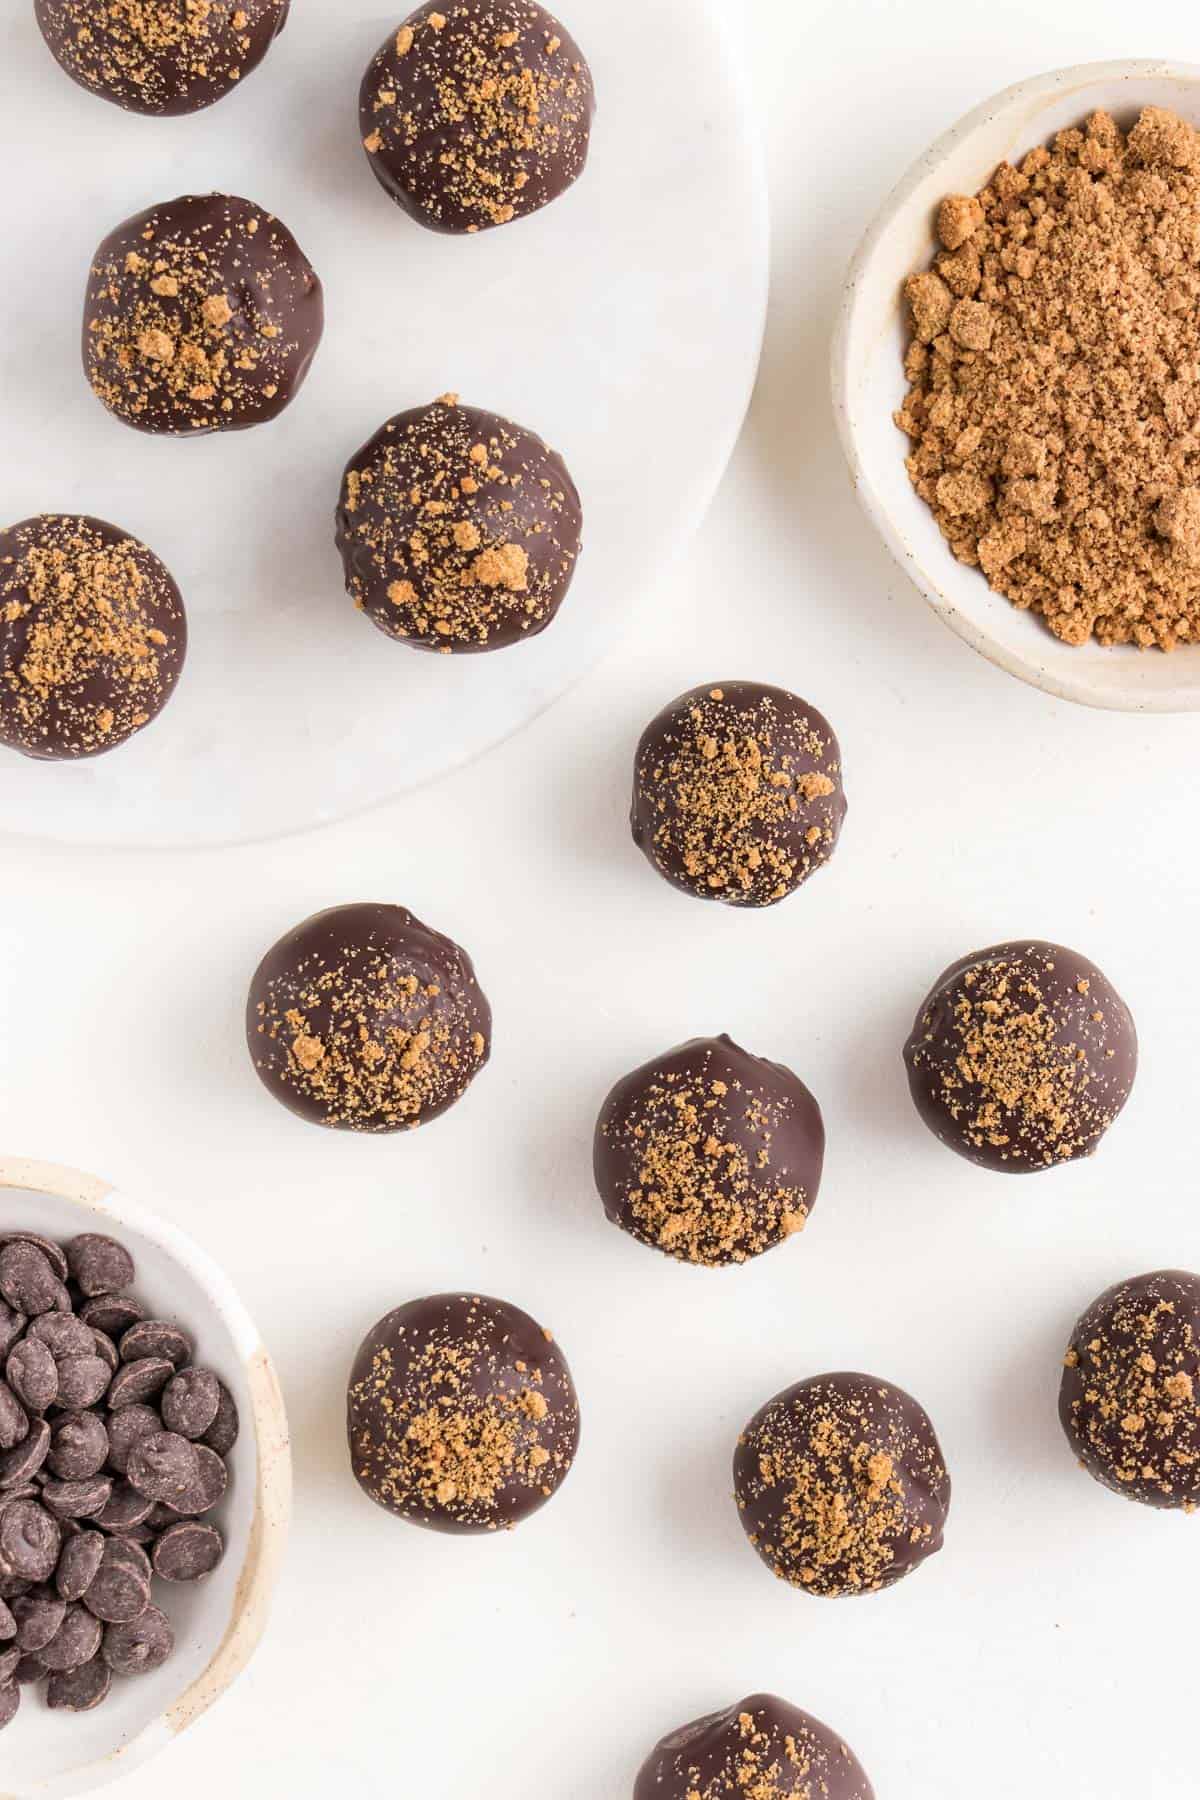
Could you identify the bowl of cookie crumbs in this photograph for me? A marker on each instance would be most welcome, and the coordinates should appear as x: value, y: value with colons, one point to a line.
x: 1016, y: 374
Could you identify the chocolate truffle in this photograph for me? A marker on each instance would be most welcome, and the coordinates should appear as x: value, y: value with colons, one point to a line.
x: 364, y: 1019
x: 1021, y: 1057
x: 160, y: 56
x: 737, y: 793
x: 709, y: 1153
x: 762, y: 1746
x: 202, y: 314
x: 841, y: 1484
x: 461, y: 1414
x: 458, y: 530
x: 478, y: 114
x: 92, y: 637
x: 1130, y: 1397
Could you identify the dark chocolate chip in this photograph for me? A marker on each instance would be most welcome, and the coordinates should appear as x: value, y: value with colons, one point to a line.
x: 33, y: 1373
x: 10, y: 1700
x: 52, y: 1252
x: 137, y: 1648
x: 19, y: 1464
x: 81, y: 1689
x: 75, y: 1603
x: 212, y: 1479
x: 82, y: 1380
x: 190, y: 1401
x: 154, y: 1337
x: 39, y: 1616
x: 76, y: 1641
x: 139, y: 1381
x: 126, y: 1510
x: 78, y: 1446
x: 120, y: 1592
x: 27, y: 1280
x: 99, y: 1264
x: 77, y: 1499
x: 125, y: 1427
x: 188, y: 1551
x: 165, y: 1466
x: 222, y: 1434
x: 13, y: 1423
x: 12, y: 1324
x: 112, y: 1313
x: 63, y: 1335
x: 78, y: 1563
x: 29, y: 1541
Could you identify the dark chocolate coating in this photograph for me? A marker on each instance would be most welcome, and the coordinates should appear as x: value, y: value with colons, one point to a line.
x: 461, y: 1414
x: 93, y: 637
x: 458, y: 530
x: 476, y: 114
x: 1021, y: 1057
x: 709, y: 1154
x: 841, y: 1484
x: 201, y: 314
x: 763, y: 1746
x: 737, y: 793
x: 363, y: 1019
x: 160, y: 56
x: 1130, y: 1396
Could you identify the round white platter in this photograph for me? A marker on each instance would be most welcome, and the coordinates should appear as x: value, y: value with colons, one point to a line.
x: 623, y: 323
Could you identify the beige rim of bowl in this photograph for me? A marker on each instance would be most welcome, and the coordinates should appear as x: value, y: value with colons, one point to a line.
x: 267, y: 1538
x: 900, y: 239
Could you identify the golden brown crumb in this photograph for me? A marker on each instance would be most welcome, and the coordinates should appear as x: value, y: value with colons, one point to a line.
x: 1053, y: 406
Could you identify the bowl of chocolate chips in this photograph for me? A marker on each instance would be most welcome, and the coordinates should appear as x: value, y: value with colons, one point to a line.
x: 145, y: 1482
x: 1016, y: 376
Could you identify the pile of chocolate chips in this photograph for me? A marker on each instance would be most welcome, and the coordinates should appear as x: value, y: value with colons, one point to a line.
x: 111, y: 1449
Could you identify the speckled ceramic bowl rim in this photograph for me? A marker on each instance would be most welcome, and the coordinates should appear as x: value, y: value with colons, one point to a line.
x: 273, y: 1497
x: 1021, y: 99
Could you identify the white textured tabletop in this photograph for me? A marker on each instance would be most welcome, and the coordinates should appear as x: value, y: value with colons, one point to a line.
x: 1049, y: 1651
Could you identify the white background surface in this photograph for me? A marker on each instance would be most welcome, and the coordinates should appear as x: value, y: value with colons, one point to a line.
x: 1049, y: 1652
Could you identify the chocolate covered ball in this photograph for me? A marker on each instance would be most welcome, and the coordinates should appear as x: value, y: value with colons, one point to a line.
x: 1021, y: 1057
x: 202, y: 314
x: 92, y: 637
x: 458, y: 530
x: 709, y: 1154
x: 476, y: 114
x: 760, y: 1747
x: 461, y: 1414
x: 841, y: 1484
x: 737, y: 793
x: 160, y: 56
x: 363, y: 1019
x: 1130, y: 1396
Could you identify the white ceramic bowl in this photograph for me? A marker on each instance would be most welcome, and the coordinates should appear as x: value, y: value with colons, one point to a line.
x: 217, y: 1622
x: 869, y: 385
